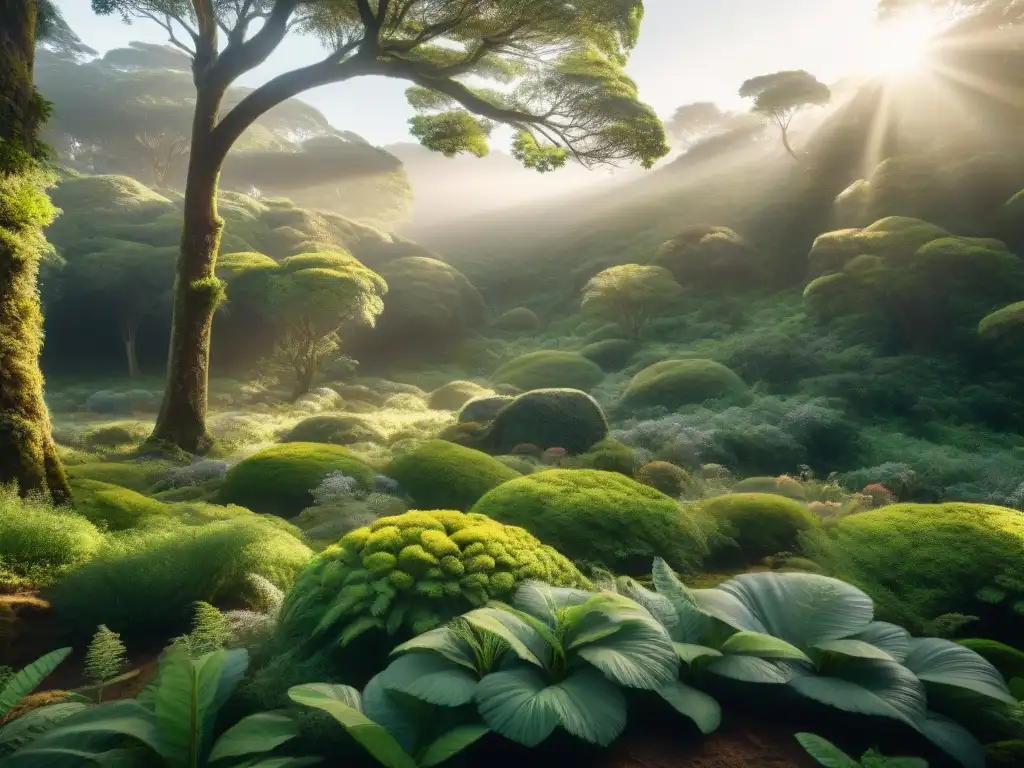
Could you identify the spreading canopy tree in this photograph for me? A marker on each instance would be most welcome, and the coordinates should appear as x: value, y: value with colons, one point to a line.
x: 781, y: 95
x: 566, y: 95
x: 631, y: 295
x: 692, y: 122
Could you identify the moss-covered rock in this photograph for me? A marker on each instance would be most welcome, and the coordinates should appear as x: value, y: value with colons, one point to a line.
x: 517, y: 319
x: 548, y: 418
x: 760, y: 523
x: 668, y: 478
x: 598, y: 517
x: 442, y: 475
x: 278, y: 480
x: 337, y: 430
x: 138, y: 476
x: 549, y: 368
x: 610, y: 354
x: 782, y: 486
x: 1004, y: 326
x: 609, y: 455
x: 115, y: 508
x: 455, y: 394
x: 709, y: 258
x: 483, y: 409
x: 675, y: 383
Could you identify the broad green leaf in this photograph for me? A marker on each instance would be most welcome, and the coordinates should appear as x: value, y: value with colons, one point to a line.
x: 659, y: 606
x: 801, y: 608
x: 688, y: 653
x: 690, y: 620
x: 892, y: 639
x: 637, y: 656
x: 31, y: 725
x: 430, y: 677
x: 283, y: 762
x: 261, y: 732
x: 98, y: 728
x: 373, y: 738
x: 745, y: 643
x: 25, y: 680
x: 232, y: 670
x: 451, y: 743
x: 702, y: 709
x: 519, y: 635
x: 953, y: 739
x: 185, y: 693
x: 400, y: 715
x: 442, y: 641
x: 510, y: 703
x: 825, y: 752
x: 543, y: 642
x: 71, y: 757
x: 946, y: 663
x: 868, y: 687
x: 544, y: 601
x: 749, y: 669
x: 857, y: 649
x: 727, y: 609
x: 588, y: 706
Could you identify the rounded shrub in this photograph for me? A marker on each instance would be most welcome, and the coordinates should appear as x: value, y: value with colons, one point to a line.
x: 760, y: 523
x: 549, y: 368
x: 675, y: 383
x: 114, y: 435
x: 279, y: 479
x: 141, y: 475
x: 1005, y: 325
x: 709, y: 258
x: 442, y: 475
x: 609, y: 455
x: 598, y: 517
x: 548, y: 418
x: 455, y: 394
x: 337, y: 430
x: 781, y: 486
x: 668, y: 478
x: 468, y: 433
x: 483, y: 409
x: 517, y: 319
x: 610, y: 354
x: 115, y: 508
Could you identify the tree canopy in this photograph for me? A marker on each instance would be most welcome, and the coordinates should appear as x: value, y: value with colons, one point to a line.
x: 692, y: 122
x: 781, y: 95
x: 631, y: 295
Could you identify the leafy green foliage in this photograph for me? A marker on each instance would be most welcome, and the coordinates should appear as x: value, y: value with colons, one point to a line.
x: 210, y: 632
x: 761, y: 524
x: 26, y: 680
x: 631, y: 295
x: 442, y: 475
x: 675, y: 383
x: 104, y: 659
x: 780, y: 96
x: 599, y: 517
x: 549, y: 369
x: 548, y: 418
x: 830, y: 756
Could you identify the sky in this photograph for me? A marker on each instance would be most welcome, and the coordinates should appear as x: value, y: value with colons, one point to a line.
x: 689, y: 50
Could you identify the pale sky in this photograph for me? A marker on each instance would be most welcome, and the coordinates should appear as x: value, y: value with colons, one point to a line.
x: 689, y: 50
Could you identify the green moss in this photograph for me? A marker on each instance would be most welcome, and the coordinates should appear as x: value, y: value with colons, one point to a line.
x: 517, y: 319
x: 668, y: 478
x: 138, y: 476
x: 611, y: 354
x: 782, y: 486
x: 598, y: 517
x: 115, y: 435
x: 443, y: 475
x: 709, y: 258
x: 279, y: 479
x: 609, y: 455
x: 760, y: 523
x: 1005, y: 325
x: 115, y: 508
x: 337, y: 430
x: 675, y: 383
x: 548, y: 418
x: 549, y: 368
x: 455, y: 394
x: 483, y: 409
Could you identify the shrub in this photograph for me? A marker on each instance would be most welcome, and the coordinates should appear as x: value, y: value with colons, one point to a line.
x: 709, y: 258
x: 547, y: 418
x: 611, y: 354
x: 279, y: 479
x: 145, y: 584
x: 760, y: 523
x: 40, y: 543
x: 549, y: 368
x: 443, y: 475
x: 675, y: 383
x: 455, y: 394
x: 631, y: 295
x: 336, y: 430
x: 598, y: 517
x: 609, y: 455
x: 114, y: 435
x: 483, y: 409
x: 922, y: 560
x: 668, y: 478
x: 517, y: 319
x: 781, y: 486
x: 137, y: 475
x: 1005, y: 325
x: 114, y: 508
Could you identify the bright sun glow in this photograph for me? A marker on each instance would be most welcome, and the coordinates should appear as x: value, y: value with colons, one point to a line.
x: 900, y: 46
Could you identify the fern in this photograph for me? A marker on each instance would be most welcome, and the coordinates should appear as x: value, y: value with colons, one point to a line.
x: 104, y: 659
x: 210, y: 632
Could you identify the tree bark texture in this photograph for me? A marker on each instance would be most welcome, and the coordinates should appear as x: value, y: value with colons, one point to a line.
x: 28, y: 455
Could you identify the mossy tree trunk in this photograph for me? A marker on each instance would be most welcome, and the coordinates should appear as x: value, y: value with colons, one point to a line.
x: 129, y: 335
x: 28, y: 455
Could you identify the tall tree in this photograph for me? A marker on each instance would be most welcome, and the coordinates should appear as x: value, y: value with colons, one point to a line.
x: 781, y: 95
x: 569, y: 97
x: 28, y: 455
x: 692, y: 122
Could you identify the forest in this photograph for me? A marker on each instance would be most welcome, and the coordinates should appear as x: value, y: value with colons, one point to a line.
x: 567, y: 431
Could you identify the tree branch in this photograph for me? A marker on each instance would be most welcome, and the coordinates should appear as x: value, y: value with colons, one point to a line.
x: 243, y: 55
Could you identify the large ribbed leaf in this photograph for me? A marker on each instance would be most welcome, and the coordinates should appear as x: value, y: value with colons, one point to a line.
x: 442, y: 641
x: 690, y: 620
x: 451, y: 743
x: 638, y: 655
x: 727, y: 609
x: 373, y: 737
x: 867, y: 687
x: 688, y: 653
x: 702, y: 709
x: 430, y: 677
x: 659, y: 606
x: 543, y: 601
x: 801, y: 608
x: 857, y: 649
x: 185, y: 692
x: 825, y: 752
x: 745, y: 643
x: 946, y: 663
x: 749, y: 669
x: 511, y: 704
x: 25, y: 680
x: 261, y: 732
x: 521, y: 637
x: 35, y: 722
x: 953, y: 739
x: 888, y: 637
x: 399, y: 714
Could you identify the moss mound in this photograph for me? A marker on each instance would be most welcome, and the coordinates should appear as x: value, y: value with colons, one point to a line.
x: 279, y: 479
x: 675, y: 383
x: 611, y: 354
x: 709, y: 258
x: 517, y: 319
x: 135, y: 475
x: 1005, y: 325
x: 337, y: 430
x: 760, y: 523
x: 115, y: 508
x: 410, y: 573
x: 598, y: 517
x: 922, y: 560
x: 483, y: 409
x: 609, y: 455
x: 455, y: 394
x: 782, y: 486
x: 548, y: 418
x: 549, y: 368
x: 668, y: 478
x: 442, y: 475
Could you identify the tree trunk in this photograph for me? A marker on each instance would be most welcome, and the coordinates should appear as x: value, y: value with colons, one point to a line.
x: 129, y: 333
x: 785, y: 143
x: 304, y: 374
x: 28, y: 455
x: 197, y: 292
